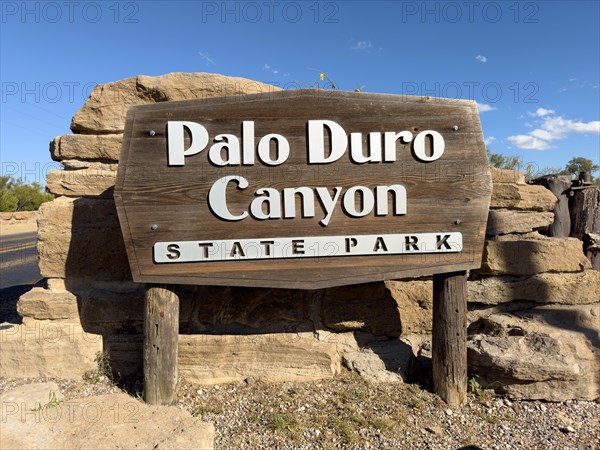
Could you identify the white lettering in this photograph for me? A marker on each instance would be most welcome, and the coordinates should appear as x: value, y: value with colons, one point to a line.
x: 437, y: 145
x: 217, y: 199
x: 316, y: 141
x: 176, y: 141
x: 357, y: 201
x: 231, y: 144
x: 282, y: 149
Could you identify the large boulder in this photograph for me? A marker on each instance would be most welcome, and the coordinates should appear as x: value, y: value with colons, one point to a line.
x: 563, y: 288
x: 85, y: 182
x: 81, y: 239
x: 533, y: 254
x: 106, y: 108
x: 30, y: 420
x: 45, y: 304
x: 104, y: 147
x: 504, y: 221
x: 549, y: 352
x: 47, y: 348
x: 522, y: 197
x: 511, y: 192
x: 225, y: 358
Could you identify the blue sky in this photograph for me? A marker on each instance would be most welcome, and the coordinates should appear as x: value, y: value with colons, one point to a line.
x: 534, y: 67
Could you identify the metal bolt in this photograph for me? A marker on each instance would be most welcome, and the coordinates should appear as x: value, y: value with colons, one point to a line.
x: 154, y: 227
x: 457, y: 221
x: 151, y: 132
x: 455, y: 127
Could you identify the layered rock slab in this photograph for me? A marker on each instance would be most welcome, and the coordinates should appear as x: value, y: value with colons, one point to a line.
x: 550, y: 352
x: 102, y: 421
x: 532, y: 255
x: 106, y: 108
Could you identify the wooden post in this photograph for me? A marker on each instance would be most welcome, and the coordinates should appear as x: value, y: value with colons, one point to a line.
x: 449, y: 340
x: 585, y: 218
x: 559, y: 185
x: 161, y: 331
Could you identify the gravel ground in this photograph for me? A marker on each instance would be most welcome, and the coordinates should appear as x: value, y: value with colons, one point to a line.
x: 350, y: 413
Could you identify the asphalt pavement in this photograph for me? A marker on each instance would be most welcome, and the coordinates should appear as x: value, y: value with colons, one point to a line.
x: 19, y: 271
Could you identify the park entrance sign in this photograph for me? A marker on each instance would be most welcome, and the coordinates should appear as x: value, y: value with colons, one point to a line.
x: 302, y: 189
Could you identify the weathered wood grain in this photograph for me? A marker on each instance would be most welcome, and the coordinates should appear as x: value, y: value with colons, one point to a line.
x: 450, y: 194
x: 449, y: 337
x: 161, y: 331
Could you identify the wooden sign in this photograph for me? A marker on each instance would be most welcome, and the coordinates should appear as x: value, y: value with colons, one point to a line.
x: 302, y: 189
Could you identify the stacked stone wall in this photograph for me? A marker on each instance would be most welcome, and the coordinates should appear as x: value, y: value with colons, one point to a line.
x: 533, y: 306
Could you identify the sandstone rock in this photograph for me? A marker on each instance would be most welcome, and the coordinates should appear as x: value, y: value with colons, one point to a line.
x: 43, y: 304
x: 545, y: 353
x: 507, y: 176
x: 75, y: 164
x: 22, y: 410
x: 81, y: 183
x: 215, y: 359
x: 563, y: 288
x: 366, y: 307
x: 268, y: 357
x: 477, y: 311
x: 47, y: 348
x: 106, y: 108
x: 104, y: 421
x: 81, y: 239
x: 533, y: 256
x: 522, y: 197
x: 370, y: 367
x: 233, y: 310
x: 106, y: 147
x: 415, y: 300
x: 503, y: 221
x: 110, y: 312
x: 17, y: 216
x: 344, y: 342
x: 28, y: 397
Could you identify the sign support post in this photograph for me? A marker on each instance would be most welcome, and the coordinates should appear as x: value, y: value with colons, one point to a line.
x: 161, y: 332
x: 449, y: 337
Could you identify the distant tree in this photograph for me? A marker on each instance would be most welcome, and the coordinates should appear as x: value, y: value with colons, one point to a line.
x: 516, y: 163
x: 15, y: 195
x: 501, y: 161
x: 8, y: 200
x: 579, y: 164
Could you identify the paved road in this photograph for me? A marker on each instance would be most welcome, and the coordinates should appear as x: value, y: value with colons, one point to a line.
x: 18, y: 260
x: 18, y: 271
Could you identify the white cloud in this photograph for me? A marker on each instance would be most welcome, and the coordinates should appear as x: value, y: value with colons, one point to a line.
x: 488, y: 140
x: 484, y: 107
x: 559, y: 127
x: 481, y: 58
x: 268, y: 67
x: 364, y: 46
x: 207, y: 59
x: 541, y: 112
x: 552, y: 128
x: 529, y: 142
